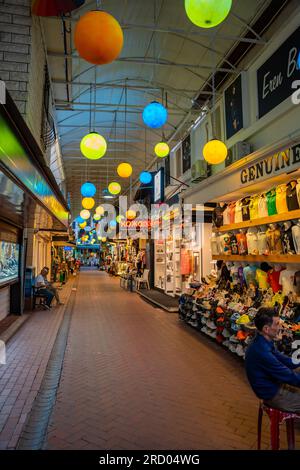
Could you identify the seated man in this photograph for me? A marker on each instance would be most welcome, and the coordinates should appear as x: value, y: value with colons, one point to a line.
x: 42, y: 288
x: 270, y: 373
x: 51, y: 288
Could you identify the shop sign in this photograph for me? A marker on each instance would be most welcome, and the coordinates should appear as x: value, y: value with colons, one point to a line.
x: 276, y: 76
x: 159, y: 186
x: 186, y: 154
x: 234, y: 107
x: 288, y: 159
x: 148, y: 223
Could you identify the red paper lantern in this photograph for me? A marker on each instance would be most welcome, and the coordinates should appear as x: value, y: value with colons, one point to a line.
x: 98, y: 37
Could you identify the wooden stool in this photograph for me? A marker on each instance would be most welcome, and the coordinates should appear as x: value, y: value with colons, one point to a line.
x: 277, y: 417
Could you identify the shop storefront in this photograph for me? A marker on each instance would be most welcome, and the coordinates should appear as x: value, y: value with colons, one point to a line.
x: 31, y: 207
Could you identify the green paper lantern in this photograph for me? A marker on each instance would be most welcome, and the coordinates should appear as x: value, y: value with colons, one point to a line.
x: 207, y: 13
x: 93, y: 146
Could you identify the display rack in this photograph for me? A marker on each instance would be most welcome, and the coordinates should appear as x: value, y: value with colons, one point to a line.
x: 258, y: 258
x: 262, y: 221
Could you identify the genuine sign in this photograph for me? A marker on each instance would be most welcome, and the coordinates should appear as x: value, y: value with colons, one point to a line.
x: 275, y: 77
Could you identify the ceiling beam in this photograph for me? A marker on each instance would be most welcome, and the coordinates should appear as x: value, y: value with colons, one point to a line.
x: 113, y: 111
x: 150, y: 61
x: 199, y: 32
x: 110, y: 105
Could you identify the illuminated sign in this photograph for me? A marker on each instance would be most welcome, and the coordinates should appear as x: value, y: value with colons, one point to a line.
x: 148, y: 223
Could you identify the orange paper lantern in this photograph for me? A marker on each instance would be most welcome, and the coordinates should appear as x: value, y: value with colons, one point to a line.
x: 98, y: 37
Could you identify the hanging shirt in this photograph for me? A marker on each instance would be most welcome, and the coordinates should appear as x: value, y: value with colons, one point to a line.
x: 262, y: 244
x: 292, y: 196
x: 224, y: 242
x: 242, y: 243
x: 281, y: 204
x: 241, y: 276
x: 271, y: 202
x: 261, y: 278
x: 287, y: 241
x: 245, y: 208
x: 296, y: 237
x: 231, y: 212
x: 273, y: 280
x: 249, y: 274
x: 214, y: 245
x: 252, y: 242
x: 226, y: 220
x: 274, y: 241
x: 238, y: 217
x: 217, y: 216
x: 298, y: 191
x: 234, y: 245
x: 234, y: 272
x: 297, y: 283
x: 262, y: 206
x: 253, y: 207
x: 286, y: 279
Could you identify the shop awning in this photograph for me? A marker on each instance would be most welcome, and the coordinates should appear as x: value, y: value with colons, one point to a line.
x: 60, y: 243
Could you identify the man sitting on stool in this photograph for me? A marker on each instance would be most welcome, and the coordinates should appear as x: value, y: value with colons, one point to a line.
x: 270, y: 372
x: 51, y: 288
x: 42, y: 288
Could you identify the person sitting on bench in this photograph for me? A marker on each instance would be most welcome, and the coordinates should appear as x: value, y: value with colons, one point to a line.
x: 42, y: 288
x: 51, y: 287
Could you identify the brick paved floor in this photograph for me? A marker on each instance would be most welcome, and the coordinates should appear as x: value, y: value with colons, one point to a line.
x: 136, y: 378
x: 27, y: 354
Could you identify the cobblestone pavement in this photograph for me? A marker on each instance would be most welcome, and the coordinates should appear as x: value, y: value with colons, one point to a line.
x: 134, y: 377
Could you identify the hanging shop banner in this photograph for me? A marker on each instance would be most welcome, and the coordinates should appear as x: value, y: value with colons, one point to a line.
x: 148, y: 223
x: 159, y: 187
x: 234, y: 108
x: 186, y: 154
x: 276, y: 76
x: 286, y: 160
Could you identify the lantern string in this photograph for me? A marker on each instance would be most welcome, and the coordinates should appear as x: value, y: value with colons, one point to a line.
x: 95, y: 98
x: 145, y: 146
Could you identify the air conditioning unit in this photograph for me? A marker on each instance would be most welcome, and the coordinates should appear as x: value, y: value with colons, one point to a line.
x: 239, y: 150
x: 199, y: 170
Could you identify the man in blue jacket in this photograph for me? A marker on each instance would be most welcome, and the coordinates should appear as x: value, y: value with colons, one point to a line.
x: 271, y: 373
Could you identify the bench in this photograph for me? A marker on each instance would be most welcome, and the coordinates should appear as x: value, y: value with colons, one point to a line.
x: 38, y: 299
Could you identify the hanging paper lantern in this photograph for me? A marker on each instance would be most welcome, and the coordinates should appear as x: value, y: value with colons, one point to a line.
x: 207, y: 13
x: 215, y: 152
x: 98, y: 37
x: 83, y: 224
x: 88, y: 228
x: 88, y: 203
x: 113, y: 223
x: 97, y: 217
x: 99, y: 210
x: 124, y: 170
x: 155, y: 115
x: 161, y: 149
x: 119, y: 218
x: 88, y: 189
x: 85, y: 214
x: 79, y: 220
x: 145, y: 177
x: 114, y: 188
x: 103, y: 239
x: 93, y: 146
x: 54, y: 7
x: 130, y: 214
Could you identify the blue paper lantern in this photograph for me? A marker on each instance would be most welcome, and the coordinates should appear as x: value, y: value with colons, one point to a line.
x: 79, y: 220
x: 298, y: 62
x: 145, y: 177
x: 88, y: 189
x: 113, y: 223
x: 155, y: 115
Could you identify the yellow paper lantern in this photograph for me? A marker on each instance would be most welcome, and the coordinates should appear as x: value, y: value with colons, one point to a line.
x: 119, y: 218
x: 103, y: 239
x: 215, y: 152
x: 124, y: 170
x: 207, y: 13
x: 161, y: 149
x: 83, y: 224
x: 93, y: 146
x: 99, y: 210
x: 88, y: 203
x: 97, y: 217
x: 130, y: 214
x: 85, y: 214
x: 114, y: 188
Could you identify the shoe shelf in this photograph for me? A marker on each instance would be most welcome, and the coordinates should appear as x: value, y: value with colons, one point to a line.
x: 253, y: 258
x: 263, y: 221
